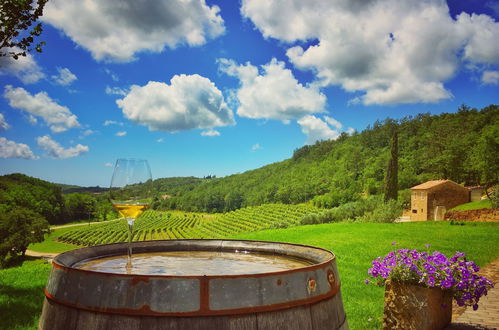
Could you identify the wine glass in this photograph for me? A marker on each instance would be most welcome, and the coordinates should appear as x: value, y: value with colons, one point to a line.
x: 131, y: 193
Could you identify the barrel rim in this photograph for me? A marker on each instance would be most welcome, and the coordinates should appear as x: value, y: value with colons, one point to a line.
x: 320, y: 281
x: 56, y: 262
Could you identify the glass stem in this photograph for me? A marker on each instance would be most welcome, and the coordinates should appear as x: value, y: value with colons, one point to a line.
x: 130, y: 222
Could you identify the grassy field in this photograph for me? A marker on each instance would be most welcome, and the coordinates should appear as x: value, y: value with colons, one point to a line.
x: 355, y: 245
x: 21, y: 294
x: 50, y: 244
x: 483, y: 204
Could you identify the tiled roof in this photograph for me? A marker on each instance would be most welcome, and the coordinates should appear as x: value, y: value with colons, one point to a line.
x: 430, y: 184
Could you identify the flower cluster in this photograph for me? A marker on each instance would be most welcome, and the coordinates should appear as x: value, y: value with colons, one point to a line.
x: 433, y: 270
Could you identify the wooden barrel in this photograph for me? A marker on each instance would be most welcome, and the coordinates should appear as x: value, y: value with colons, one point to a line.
x: 303, y: 298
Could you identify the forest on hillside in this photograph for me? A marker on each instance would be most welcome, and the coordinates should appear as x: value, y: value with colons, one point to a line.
x: 461, y: 146
x: 19, y: 191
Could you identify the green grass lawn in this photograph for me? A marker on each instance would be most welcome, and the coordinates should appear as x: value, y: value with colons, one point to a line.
x: 51, y: 245
x: 21, y: 294
x: 355, y: 245
x: 483, y: 204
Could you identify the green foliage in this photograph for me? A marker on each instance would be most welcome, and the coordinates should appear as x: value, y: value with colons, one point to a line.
x: 370, y: 209
x: 494, y: 198
x: 404, y: 197
x: 459, y: 146
x: 352, y: 211
x: 16, y: 17
x: 384, y: 212
x: 18, y: 228
x: 42, y: 197
x: 79, y: 206
x: 391, y: 178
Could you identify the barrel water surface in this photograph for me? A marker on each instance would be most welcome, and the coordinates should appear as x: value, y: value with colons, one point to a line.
x: 303, y: 298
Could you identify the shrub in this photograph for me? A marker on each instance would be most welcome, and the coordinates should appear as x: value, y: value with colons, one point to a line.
x: 494, y: 198
x: 385, y: 212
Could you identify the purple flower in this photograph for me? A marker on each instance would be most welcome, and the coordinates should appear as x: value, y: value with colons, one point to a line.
x: 429, y: 268
x: 455, y: 274
x: 393, y: 243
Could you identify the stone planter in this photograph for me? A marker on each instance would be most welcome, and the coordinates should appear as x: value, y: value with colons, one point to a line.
x: 410, y: 306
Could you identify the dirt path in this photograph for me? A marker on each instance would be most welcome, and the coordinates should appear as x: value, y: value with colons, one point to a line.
x: 44, y: 255
x: 83, y: 224
x: 50, y: 255
x: 490, y: 271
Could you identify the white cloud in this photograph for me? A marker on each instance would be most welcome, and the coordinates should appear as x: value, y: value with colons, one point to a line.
x: 3, y: 123
x: 351, y: 131
x: 32, y: 120
x: 108, y: 164
x: 57, y: 117
x: 116, y: 30
x: 160, y: 140
x: 318, y: 129
x: 112, y: 122
x: 256, y: 147
x: 65, y: 77
x: 333, y: 122
x: 395, y: 51
x: 116, y: 91
x: 55, y: 150
x: 273, y: 94
x: 24, y: 68
x: 121, y: 133
x: 11, y: 149
x: 190, y: 101
x: 87, y: 132
x: 490, y: 77
x: 210, y: 132
x: 113, y: 75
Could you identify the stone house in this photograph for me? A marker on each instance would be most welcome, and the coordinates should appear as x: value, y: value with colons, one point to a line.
x: 430, y: 200
x: 475, y: 193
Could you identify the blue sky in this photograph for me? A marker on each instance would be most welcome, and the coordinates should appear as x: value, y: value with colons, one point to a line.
x: 221, y: 87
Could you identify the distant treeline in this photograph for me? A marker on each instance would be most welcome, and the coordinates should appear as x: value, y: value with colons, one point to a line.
x: 19, y: 191
x: 69, y: 189
x: 461, y: 146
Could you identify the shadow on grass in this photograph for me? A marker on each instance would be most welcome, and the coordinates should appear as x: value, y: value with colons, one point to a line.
x: 22, y: 307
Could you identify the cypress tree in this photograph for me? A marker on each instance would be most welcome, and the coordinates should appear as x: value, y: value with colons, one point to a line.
x: 391, y: 178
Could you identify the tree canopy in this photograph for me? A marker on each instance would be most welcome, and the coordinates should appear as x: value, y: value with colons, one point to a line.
x: 17, y: 36
x: 19, y: 228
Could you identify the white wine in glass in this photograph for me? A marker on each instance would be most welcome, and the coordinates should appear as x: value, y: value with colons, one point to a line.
x: 131, y: 193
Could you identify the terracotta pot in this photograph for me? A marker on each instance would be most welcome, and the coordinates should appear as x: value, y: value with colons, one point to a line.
x: 409, y: 306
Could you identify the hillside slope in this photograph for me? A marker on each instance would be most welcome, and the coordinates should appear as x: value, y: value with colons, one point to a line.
x: 460, y: 146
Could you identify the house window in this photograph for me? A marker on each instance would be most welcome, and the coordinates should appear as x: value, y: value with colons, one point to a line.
x: 414, y: 211
x: 422, y: 195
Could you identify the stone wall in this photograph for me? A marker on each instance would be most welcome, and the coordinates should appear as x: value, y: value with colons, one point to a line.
x: 449, y: 195
x: 488, y: 215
